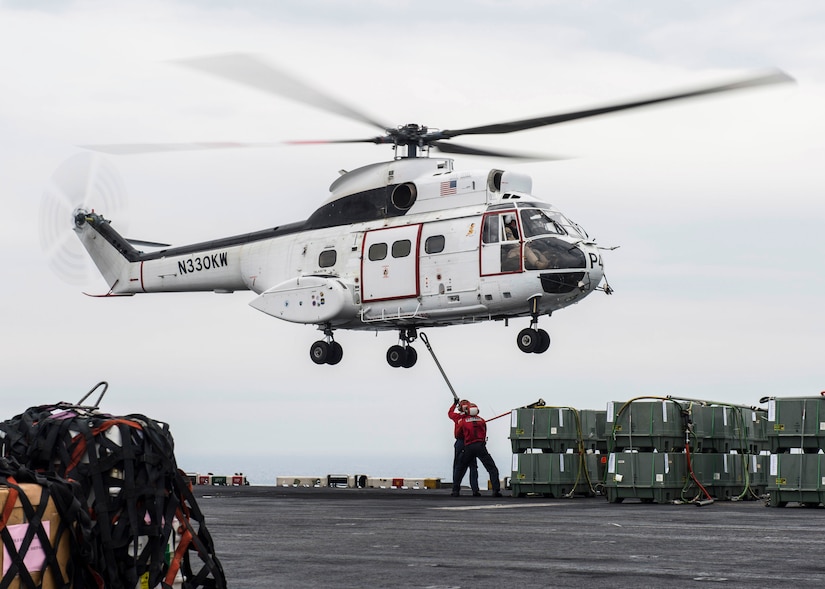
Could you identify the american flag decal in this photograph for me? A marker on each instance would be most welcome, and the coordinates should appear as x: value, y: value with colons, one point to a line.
x: 448, y: 187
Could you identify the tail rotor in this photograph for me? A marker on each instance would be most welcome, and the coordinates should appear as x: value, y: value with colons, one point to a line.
x: 85, y: 181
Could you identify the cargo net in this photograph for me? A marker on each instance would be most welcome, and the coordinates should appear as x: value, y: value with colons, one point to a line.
x: 145, y: 524
x: 45, y: 531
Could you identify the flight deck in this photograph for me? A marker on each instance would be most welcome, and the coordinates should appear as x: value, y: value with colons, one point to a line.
x: 270, y: 536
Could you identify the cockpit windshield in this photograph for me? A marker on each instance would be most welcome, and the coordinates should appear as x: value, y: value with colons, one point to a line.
x: 548, y: 222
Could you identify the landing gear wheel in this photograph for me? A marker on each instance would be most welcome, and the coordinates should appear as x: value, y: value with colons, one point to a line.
x: 410, y: 357
x: 319, y: 352
x: 396, y: 356
x: 528, y: 340
x: 336, y: 352
x: 544, y: 342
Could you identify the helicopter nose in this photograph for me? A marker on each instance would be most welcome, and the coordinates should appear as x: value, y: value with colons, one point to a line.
x: 595, y: 266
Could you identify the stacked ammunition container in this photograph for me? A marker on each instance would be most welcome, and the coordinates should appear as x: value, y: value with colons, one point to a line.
x: 796, y: 433
x: 557, y: 451
x: 728, y: 450
x: 646, y: 439
x: 666, y: 450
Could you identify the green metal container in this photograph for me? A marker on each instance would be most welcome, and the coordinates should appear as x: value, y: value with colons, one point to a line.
x: 758, y: 466
x: 645, y: 425
x: 796, y: 478
x: 796, y: 422
x: 557, y: 429
x: 726, y: 428
x: 714, y: 427
x: 725, y: 476
x: 756, y: 428
x: 554, y: 475
x: 653, y: 477
x: 593, y: 434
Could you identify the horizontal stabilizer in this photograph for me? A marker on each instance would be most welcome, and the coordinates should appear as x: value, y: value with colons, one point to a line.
x: 109, y: 295
x: 142, y: 243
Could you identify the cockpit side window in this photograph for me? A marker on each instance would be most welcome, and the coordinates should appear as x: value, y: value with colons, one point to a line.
x: 490, y: 232
x: 510, y: 225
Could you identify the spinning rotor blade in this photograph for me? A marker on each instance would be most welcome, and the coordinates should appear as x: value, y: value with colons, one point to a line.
x: 376, y: 140
x: 448, y: 147
x: 83, y: 181
x: 141, y: 148
x: 251, y: 71
x: 774, y: 77
x: 442, y: 146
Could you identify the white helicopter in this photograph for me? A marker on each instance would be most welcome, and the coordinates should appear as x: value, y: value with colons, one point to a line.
x: 403, y: 245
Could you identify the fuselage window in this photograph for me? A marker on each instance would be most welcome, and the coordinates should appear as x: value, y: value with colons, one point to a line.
x: 378, y: 251
x: 434, y: 244
x: 327, y: 258
x: 401, y: 248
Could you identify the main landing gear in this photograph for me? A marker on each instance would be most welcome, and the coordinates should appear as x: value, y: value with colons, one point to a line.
x: 532, y: 339
x: 327, y: 350
x: 403, y: 354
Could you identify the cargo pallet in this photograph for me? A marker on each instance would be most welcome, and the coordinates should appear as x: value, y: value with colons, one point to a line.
x: 645, y: 425
x: 731, y: 476
x: 557, y: 475
x: 726, y: 429
x: 798, y: 478
x: 557, y: 451
x: 796, y: 422
x: 652, y: 477
x: 713, y: 450
x: 796, y: 436
x: 557, y: 430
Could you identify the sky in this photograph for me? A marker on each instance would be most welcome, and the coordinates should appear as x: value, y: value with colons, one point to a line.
x: 716, y: 206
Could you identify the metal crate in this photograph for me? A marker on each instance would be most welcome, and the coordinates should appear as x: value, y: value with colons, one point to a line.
x: 730, y: 476
x: 557, y: 429
x: 796, y: 422
x: 726, y: 428
x: 554, y: 474
x: 796, y: 478
x: 652, y: 477
x: 645, y: 425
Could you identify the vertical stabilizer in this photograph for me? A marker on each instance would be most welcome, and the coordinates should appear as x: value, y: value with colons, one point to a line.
x: 110, y: 251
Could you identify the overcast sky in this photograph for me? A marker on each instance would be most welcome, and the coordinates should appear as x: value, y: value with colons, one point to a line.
x: 717, y: 206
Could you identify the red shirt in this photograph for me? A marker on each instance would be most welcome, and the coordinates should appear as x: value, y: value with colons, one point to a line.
x: 473, y: 429
x: 456, y: 417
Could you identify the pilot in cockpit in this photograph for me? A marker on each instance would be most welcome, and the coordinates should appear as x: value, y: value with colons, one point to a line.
x: 510, y: 228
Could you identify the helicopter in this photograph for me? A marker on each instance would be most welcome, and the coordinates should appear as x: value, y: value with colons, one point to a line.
x: 399, y: 245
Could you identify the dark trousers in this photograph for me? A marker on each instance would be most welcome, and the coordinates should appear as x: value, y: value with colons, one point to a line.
x: 471, y: 453
x: 459, y: 448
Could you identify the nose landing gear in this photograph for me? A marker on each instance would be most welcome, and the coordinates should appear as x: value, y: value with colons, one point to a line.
x: 403, y: 354
x: 327, y: 350
x: 532, y: 339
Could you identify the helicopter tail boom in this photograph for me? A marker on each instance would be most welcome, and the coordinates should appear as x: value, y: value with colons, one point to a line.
x: 130, y: 271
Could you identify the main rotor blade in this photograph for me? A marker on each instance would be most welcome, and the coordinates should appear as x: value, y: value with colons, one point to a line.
x: 774, y: 77
x: 140, y: 148
x: 377, y: 140
x: 443, y: 146
x: 143, y: 148
x: 251, y: 71
x: 449, y: 147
